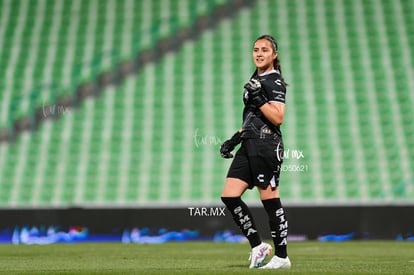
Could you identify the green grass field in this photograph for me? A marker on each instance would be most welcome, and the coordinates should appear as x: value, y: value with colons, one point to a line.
x: 365, y: 257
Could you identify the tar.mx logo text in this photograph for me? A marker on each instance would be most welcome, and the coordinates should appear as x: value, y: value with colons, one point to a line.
x: 53, y: 110
x: 206, y: 211
x: 200, y: 139
x: 288, y: 153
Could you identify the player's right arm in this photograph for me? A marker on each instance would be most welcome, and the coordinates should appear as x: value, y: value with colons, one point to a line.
x: 274, y: 112
x: 270, y: 101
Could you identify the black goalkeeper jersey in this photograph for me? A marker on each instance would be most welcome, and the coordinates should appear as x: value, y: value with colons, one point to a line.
x: 255, y: 124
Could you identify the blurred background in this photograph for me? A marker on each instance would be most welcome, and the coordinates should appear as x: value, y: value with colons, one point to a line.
x: 124, y: 104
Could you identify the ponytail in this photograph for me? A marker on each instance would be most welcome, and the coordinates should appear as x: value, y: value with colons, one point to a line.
x: 278, y: 67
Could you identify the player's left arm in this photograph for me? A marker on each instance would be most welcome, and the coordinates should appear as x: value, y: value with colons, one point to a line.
x: 274, y: 112
x: 274, y: 109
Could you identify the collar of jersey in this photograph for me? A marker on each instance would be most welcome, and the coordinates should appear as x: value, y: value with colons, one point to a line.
x: 269, y: 72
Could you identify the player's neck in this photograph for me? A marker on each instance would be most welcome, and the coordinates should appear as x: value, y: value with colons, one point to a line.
x: 264, y: 70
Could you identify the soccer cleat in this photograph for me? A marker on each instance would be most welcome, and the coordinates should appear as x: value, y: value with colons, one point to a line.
x: 278, y: 263
x: 259, y: 254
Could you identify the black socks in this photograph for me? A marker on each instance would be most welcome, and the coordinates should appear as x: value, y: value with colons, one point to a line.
x: 278, y: 225
x: 277, y: 221
x: 243, y: 218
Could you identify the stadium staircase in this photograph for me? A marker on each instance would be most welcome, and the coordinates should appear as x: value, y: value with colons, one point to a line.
x: 153, y: 139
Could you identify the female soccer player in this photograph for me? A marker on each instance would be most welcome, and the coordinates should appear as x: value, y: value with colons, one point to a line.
x: 259, y: 159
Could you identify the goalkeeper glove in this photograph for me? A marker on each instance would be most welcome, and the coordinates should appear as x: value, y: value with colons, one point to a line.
x: 254, y: 89
x: 229, y: 145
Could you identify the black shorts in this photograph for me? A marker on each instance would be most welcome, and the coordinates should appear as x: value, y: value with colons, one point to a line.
x: 258, y: 162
